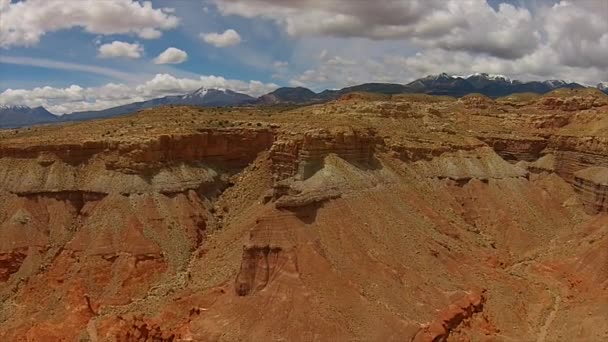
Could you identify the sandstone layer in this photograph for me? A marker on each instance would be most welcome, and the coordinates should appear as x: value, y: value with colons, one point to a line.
x: 404, y: 218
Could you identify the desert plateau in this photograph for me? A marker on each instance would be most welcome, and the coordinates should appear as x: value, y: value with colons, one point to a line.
x: 304, y: 171
x: 371, y: 217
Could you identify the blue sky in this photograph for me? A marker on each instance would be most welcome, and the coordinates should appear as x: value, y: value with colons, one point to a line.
x: 78, y: 47
x: 90, y: 54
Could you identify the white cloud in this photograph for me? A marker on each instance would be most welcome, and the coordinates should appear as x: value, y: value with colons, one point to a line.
x: 280, y: 64
x: 171, y: 56
x: 150, y: 33
x: 52, y: 64
x: 165, y: 84
x: 76, y: 98
x: 24, y: 23
x: 578, y: 32
x: 280, y: 69
x: 118, y: 49
x: 335, y: 71
x: 475, y: 27
x: 531, y: 40
x: 228, y: 38
x: 470, y: 25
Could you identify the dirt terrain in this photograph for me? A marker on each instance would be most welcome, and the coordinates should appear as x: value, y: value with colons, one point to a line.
x: 369, y: 218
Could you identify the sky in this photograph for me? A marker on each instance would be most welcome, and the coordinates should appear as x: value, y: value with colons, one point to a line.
x: 75, y: 55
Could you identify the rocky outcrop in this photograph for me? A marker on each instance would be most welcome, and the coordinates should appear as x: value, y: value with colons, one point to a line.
x: 168, y: 163
x: 574, y: 103
x: 461, y: 166
x: 592, y: 187
x: 562, y: 154
x: 267, y: 253
x: 573, y: 154
x: 476, y: 101
x: 285, y: 155
x: 134, y: 205
x: 515, y: 149
x: 412, y: 150
x: 134, y: 328
x: 302, y: 199
x: 545, y: 163
x: 580, y: 160
x: 11, y: 262
x: 451, y: 317
x: 298, y: 159
x: 351, y: 145
x: 257, y: 267
x: 229, y: 145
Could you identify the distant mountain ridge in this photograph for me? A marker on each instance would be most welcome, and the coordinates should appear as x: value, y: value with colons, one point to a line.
x: 486, y: 84
x: 289, y: 95
x: 440, y: 84
x: 204, y: 97
x: 19, y: 116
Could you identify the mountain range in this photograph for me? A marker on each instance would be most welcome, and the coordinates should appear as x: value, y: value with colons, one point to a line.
x: 204, y: 97
x: 441, y: 84
x: 19, y: 116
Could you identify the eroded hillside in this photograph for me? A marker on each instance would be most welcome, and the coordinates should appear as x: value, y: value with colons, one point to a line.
x: 371, y: 218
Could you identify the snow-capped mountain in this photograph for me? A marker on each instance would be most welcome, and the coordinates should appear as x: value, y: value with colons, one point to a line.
x: 20, y: 116
x: 440, y: 84
x: 555, y: 83
x: 489, y: 77
x: 487, y: 84
x: 14, y: 107
x: 204, y: 97
x: 213, y: 97
x: 201, y: 92
x: 439, y: 77
x: 483, y: 80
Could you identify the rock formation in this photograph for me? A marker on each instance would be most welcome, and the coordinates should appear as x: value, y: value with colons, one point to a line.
x: 592, y: 185
x: 383, y: 218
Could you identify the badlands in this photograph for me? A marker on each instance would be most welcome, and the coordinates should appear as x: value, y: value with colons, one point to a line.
x: 369, y: 218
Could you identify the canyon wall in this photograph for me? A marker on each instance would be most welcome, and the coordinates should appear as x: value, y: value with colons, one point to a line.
x: 374, y: 221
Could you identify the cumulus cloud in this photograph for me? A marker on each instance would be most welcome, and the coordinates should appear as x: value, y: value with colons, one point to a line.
x: 76, y: 98
x: 470, y: 25
x: 475, y: 27
x: 566, y: 39
x: 578, y: 32
x: 280, y: 64
x: 335, y: 17
x: 150, y: 33
x: 24, y: 23
x: 165, y: 84
x: 334, y: 71
x: 118, y: 49
x: 171, y: 56
x: 228, y: 38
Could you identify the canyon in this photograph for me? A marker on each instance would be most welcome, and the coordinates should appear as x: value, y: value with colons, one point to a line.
x: 405, y: 217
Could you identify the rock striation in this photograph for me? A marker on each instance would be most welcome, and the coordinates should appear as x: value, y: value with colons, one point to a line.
x: 167, y: 163
x: 369, y: 218
x: 592, y: 185
x: 302, y: 157
x: 451, y: 317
